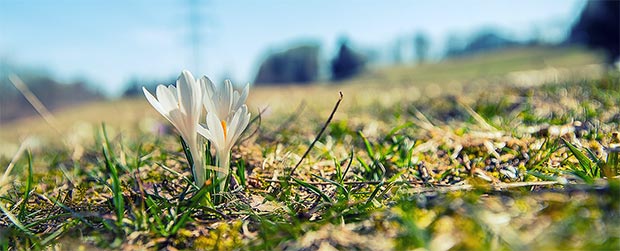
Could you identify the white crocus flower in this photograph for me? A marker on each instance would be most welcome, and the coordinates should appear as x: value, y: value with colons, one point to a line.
x: 225, y: 101
x: 182, y: 106
x: 227, y: 118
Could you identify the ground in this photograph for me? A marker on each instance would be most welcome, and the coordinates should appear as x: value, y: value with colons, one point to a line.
x: 512, y: 150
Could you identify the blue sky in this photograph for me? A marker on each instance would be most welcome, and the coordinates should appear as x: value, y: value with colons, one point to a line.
x: 109, y: 42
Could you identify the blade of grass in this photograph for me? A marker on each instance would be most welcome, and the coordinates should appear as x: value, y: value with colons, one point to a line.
x: 344, y: 190
x: 367, y: 144
x: 35, y: 102
x: 193, y: 202
x: 346, y: 170
x: 612, y: 163
x: 117, y: 193
x: 15, y: 221
x: 188, y: 153
x: 313, y: 189
x: 27, y: 191
x: 611, y: 167
x: 374, y: 193
x: 366, y: 167
x: 156, y: 212
x: 398, y: 128
x: 584, y: 161
x: 56, y: 202
x: 179, y: 175
x: 61, y: 230
x: 241, y: 172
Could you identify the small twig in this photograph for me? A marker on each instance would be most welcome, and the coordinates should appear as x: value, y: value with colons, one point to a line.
x: 318, y: 136
x: 354, y: 183
x: 435, y: 188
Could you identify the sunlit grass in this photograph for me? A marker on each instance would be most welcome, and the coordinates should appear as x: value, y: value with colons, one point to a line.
x: 502, y: 168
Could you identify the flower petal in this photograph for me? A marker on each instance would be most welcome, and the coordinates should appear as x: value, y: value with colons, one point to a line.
x: 166, y: 98
x: 209, y: 94
x: 227, y: 100
x: 214, y: 125
x: 244, y: 96
x: 234, y: 123
x: 241, y: 121
x: 177, y: 119
x: 154, y: 102
x: 185, y: 86
x: 208, y: 86
x: 205, y: 132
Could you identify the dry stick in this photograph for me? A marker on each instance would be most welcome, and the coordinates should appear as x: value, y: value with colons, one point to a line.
x: 438, y: 188
x: 318, y: 136
x: 355, y: 183
x: 34, y: 101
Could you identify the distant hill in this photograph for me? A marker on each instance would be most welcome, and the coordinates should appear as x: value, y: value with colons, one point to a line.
x: 53, y: 94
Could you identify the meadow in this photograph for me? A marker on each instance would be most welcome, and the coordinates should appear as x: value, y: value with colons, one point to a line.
x: 512, y: 150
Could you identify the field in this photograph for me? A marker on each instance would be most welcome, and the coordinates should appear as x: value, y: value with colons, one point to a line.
x: 514, y: 150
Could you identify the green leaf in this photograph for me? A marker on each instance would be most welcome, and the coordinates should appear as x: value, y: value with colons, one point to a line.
x: 29, y: 182
x: 584, y: 162
x: 313, y: 188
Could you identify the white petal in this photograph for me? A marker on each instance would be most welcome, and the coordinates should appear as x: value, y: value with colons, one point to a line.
x: 172, y: 91
x: 185, y: 85
x: 166, y: 98
x: 227, y: 99
x: 235, y: 97
x: 232, y: 128
x: 209, y: 86
x: 154, y: 102
x: 197, y: 96
x: 209, y: 94
x: 177, y: 118
x: 241, y: 123
x: 214, y: 124
x: 244, y: 96
x: 204, y: 132
x: 163, y: 105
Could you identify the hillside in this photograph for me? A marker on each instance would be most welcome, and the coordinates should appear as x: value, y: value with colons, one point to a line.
x: 383, y: 86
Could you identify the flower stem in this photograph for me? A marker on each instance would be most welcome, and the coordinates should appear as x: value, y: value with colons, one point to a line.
x: 198, y: 169
x: 223, y: 161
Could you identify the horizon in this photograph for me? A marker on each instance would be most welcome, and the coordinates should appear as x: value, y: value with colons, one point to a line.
x: 146, y: 41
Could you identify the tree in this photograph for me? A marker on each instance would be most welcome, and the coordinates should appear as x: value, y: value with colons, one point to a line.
x: 398, y: 51
x: 421, y: 45
x: 347, y: 63
x: 295, y: 65
x: 598, y: 27
x: 482, y: 41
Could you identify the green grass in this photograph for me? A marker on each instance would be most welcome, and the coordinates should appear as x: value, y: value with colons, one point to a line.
x: 501, y: 168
